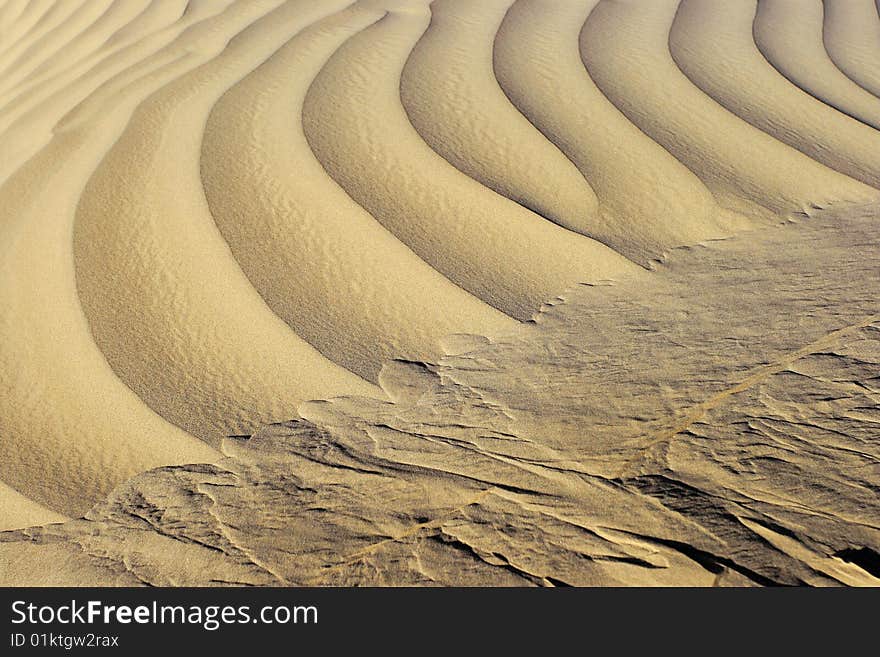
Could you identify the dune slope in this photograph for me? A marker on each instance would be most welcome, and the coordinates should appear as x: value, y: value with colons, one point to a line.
x: 713, y: 43
x: 851, y: 33
x: 450, y: 94
x: 199, y: 326
x: 358, y: 294
x: 217, y: 215
x: 496, y: 249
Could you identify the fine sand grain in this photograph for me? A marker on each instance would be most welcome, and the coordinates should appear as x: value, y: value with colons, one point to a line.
x: 713, y: 42
x: 450, y: 93
x: 590, y: 285
x: 789, y: 35
x: 280, y: 212
x: 851, y: 33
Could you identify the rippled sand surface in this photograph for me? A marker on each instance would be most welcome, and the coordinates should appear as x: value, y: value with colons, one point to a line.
x: 401, y: 292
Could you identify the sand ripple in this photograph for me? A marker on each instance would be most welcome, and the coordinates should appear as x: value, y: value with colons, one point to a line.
x: 212, y: 212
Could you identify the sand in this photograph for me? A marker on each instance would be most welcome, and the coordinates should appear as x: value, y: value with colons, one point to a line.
x: 450, y: 93
x: 200, y: 326
x: 18, y: 511
x: 487, y: 244
x: 536, y: 56
x: 509, y: 263
x: 852, y: 41
x: 386, y: 302
x: 748, y: 85
x: 726, y: 439
x: 661, y: 95
x: 789, y: 35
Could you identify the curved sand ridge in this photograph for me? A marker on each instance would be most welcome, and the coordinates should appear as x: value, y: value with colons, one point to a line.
x: 625, y: 46
x: 211, y: 212
x: 73, y: 430
x: 359, y: 295
x: 789, y: 34
x: 713, y: 43
x: 494, y: 248
x: 76, y: 48
x: 63, y: 22
x: 28, y: 115
x: 851, y: 33
x: 649, y: 201
x: 30, y: 29
x: 199, y: 325
x: 450, y: 94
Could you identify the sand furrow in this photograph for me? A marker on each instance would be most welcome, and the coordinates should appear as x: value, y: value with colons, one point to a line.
x: 71, y: 430
x: 14, y: 38
x: 55, y: 42
x: 10, y: 14
x: 499, y: 251
x: 789, y: 35
x: 625, y: 47
x: 200, y: 346
x: 38, y: 37
x: 86, y: 42
x: 713, y: 44
x: 852, y: 39
x: 449, y: 91
x: 321, y: 262
x: 648, y: 200
x: 27, y: 124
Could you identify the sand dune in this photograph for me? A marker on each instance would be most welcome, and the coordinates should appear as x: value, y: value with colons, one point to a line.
x: 217, y: 215
x: 358, y: 294
x: 789, y: 33
x: 536, y: 56
x: 713, y: 43
x: 729, y: 441
x: 851, y: 33
x: 144, y: 231
x: 494, y: 248
x: 625, y: 46
x: 450, y: 94
x: 78, y: 430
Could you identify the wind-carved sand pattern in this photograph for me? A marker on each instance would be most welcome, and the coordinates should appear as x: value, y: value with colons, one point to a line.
x: 589, y: 290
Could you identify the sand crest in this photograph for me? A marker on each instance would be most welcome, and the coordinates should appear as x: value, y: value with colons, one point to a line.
x: 576, y: 267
